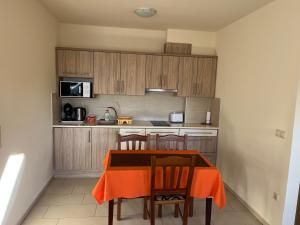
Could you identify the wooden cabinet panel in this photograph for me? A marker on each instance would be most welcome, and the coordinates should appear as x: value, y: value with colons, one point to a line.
x: 82, y: 149
x: 106, y: 73
x: 170, y: 67
x: 103, y: 140
x: 72, y: 63
x: 187, y: 78
x: 72, y: 149
x: 132, y: 74
x: 203, y: 144
x: 153, y: 71
x: 206, y: 77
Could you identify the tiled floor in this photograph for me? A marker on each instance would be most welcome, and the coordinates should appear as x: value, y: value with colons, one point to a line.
x: 69, y: 202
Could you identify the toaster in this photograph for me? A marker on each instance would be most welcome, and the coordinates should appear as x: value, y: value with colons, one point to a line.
x: 176, y: 117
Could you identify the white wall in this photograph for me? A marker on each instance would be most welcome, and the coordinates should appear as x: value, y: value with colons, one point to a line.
x: 111, y: 38
x: 27, y: 72
x: 257, y: 83
x: 294, y: 169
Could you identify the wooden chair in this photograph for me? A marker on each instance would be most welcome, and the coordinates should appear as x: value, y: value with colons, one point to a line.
x: 171, y: 142
x: 132, y: 142
x: 173, y: 190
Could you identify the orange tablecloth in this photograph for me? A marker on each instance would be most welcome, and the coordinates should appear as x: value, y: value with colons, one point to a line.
x: 133, y: 182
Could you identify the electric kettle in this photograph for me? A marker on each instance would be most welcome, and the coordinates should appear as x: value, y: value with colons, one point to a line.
x: 80, y: 113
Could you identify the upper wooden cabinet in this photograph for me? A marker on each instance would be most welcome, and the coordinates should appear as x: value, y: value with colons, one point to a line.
x: 106, y: 73
x: 132, y: 80
x: 73, y: 63
x: 170, y: 72
x: 187, y: 76
x: 197, y: 76
x: 153, y: 71
x: 162, y: 71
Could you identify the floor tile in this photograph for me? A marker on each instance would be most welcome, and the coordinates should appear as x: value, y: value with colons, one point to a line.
x: 63, y: 188
x: 235, y: 218
x: 37, y: 212
x: 83, y: 189
x: 70, y: 211
x: 40, y: 222
x: 69, y: 199
x: 83, y: 221
x: 89, y: 199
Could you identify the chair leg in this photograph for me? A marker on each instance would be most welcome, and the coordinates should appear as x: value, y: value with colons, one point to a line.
x: 145, y: 213
x: 152, y: 212
x: 186, y: 212
x: 159, y: 210
x: 176, y: 211
x: 119, y: 208
x: 191, y: 211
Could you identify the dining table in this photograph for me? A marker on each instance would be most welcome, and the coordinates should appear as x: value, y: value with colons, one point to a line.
x: 127, y: 174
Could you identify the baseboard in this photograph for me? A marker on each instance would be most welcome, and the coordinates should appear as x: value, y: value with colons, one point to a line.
x: 37, y: 197
x: 71, y: 174
x: 251, y: 210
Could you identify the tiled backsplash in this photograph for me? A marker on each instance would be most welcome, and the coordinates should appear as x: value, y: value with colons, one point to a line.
x: 152, y: 106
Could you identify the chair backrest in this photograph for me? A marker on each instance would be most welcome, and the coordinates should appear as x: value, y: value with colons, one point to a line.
x: 171, y: 142
x: 175, y: 174
x: 133, y: 142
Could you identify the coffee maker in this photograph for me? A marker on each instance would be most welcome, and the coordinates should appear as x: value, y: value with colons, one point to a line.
x: 73, y: 114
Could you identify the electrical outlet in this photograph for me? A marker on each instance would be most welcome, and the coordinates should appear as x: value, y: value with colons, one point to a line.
x: 280, y: 133
x: 275, y: 196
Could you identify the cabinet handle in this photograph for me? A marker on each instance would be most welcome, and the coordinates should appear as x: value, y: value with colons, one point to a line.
x: 118, y: 86
x: 89, y: 136
x: 162, y: 132
x: 132, y: 132
x: 123, y: 86
x: 161, y: 77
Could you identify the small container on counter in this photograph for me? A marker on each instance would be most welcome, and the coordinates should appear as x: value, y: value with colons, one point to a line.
x: 91, y: 120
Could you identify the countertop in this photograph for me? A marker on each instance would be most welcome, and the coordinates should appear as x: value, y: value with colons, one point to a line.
x: 139, y: 124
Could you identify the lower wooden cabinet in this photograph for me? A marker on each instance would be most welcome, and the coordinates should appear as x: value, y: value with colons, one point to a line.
x: 82, y: 150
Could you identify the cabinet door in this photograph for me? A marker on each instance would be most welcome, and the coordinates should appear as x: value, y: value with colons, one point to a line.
x: 72, y: 149
x: 187, y: 79
x: 153, y: 71
x: 103, y: 140
x: 132, y: 74
x: 63, y: 149
x: 203, y: 144
x: 170, y: 72
x: 106, y: 73
x: 82, y: 149
x: 206, y: 77
x: 71, y: 63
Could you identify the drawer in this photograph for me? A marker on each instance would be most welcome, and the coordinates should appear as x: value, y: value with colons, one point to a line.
x: 162, y: 131
x: 198, y: 132
x: 129, y: 131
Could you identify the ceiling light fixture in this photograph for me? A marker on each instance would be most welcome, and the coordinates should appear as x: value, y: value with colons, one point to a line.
x: 145, y: 12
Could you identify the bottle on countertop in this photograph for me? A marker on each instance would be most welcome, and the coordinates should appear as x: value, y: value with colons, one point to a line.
x: 106, y: 115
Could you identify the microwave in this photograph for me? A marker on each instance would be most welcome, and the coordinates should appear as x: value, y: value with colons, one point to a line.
x: 75, y: 89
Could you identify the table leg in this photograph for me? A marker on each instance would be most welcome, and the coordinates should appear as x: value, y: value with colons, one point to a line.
x: 110, y: 212
x: 208, y: 211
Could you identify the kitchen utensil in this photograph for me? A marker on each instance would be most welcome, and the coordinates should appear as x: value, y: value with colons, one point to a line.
x: 91, y: 120
x: 80, y: 113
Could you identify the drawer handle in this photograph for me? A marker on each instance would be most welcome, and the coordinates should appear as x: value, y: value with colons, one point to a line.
x: 132, y: 132
x: 162, y: 132
x: 198, y: 133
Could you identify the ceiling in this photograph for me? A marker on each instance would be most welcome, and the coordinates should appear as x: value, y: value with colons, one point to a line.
x: 209, y: 15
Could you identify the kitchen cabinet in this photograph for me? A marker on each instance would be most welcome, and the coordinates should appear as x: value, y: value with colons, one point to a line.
x: 72, y: 149
x: 107, y: 73
x: 153, y: 71
x: 162, y: 72
x: 197, y: 76
x: 74, y: 63
x: 206, y: 74
x: 82, y: 150
x: 132, y: 80
x: 103, y: 140
x: 187, y: 83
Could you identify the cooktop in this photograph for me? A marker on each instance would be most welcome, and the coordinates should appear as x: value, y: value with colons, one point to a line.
x: 160, y: 123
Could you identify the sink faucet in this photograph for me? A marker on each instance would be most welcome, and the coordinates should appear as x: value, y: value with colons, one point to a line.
x: 115, y: 111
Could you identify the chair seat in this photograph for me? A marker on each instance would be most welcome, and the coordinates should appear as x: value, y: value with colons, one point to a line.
x: 169, y: 197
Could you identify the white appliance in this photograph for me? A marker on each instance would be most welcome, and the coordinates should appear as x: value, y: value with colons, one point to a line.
x: 176, y: 117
